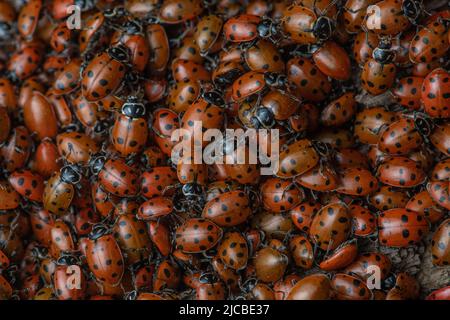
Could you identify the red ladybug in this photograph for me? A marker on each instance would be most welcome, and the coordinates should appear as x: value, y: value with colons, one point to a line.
x: 104, y: 74
x: 401, y: 227
x: 129, y: 132
x: 228, y: 209
x: 430, y: 42
x: 60, y: 190
x: 436, y: 94
x: 247, y: 27
x: 197, y: 235
x: 440, y: 244
x: 115, y: 176
x: 401, y: 172
x: 30, y: 185
x: 408, y: 92
x: 104, y: 256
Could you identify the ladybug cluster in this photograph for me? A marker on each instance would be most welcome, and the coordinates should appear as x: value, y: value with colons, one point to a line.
x: 93, y: 206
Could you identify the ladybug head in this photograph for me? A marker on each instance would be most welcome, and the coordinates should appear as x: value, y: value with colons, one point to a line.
x: 67, y: 260
x: 192, y: 189
x: 119, y: 53
x: 115, y: 12
x: 101, y: 127
x: 71, y: 174
x: 98, y: 230
x: 424, y: 125
x: 227, y: 78
x: 323, y: 28
x: 275, y: 79
x: 214, y: 97
x: 411, y: 9
x: 39, y: 252
x: 266, y: 28
x: 383, y: 52
x: 85, y: 5
x: 133, y: 108
x: 96, y: 164
x: 133, y: 26
x: 265, y: 117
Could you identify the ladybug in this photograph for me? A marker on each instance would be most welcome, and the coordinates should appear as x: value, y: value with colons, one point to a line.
x: 93, y: 26
x: 61, y: 38
x: 28, y: 184
x: 302, y: 214
x: 160, y: 235
x: 299, y: 157
x: 60, y: 189
x: 366, y: 261
x: 280, y: 195
x: 64, y: 288
x: 408, y: 92
x: 401, y: 172
x: 39, y: 116
x: 131, y: 35
x: 178, y: 11
x: 206, y: 111
x: 354, y: 13
x: 370, y: 122
x: 132, y: 237
x: 378, y: 73
x: 87, y: 112
x: 228, y: 209
x: 440, y: 193
x: 247, y: 27
x: 348, y: 287
x: 68, y: 80
x: 357, y: 182
x: 229, y: 276
x: 233, y: 250
x: 270, y: 264
x: 320, y: 178
x: 436, y: 94
x: 404, y: 135
x: 158, y: 181
x: 440, y: 244
x: 430, y: 42
x: 302, y: 252
x: 41, y: 222
x: 332, y: 60
x: 379, y: 19
x: 197, y: 235
x: 7, y: 19
x: 401, y: 227
x: 440, y: 294
x: 62, y: 109
x: 24, y: 62
x: 312, y: 287
x: 167, y: 275
x: 440, y: 136
x: 306, y: 81
x: 104, y: 74
x: 341, y: 257
x: 210, y: 289
x: 155, y: 208
x: 104, y: 256
x: 207, y: 33
x: 8, y: 100
x: 115, y: 176
x: 423, y: 203
x: 185, y: 70
x: 129, y: 132
x: 254, y: 82
x: 363, y: 221
x: 331, y: 226
x: 363, y: 46
x: 158, y: 46
x: 29, y: 17
x: 61, y: 239
x: 339, y: 111
x: 305, y: 25
x: 263, y: 56
x: 75, y: 147
x: 165, y: 122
